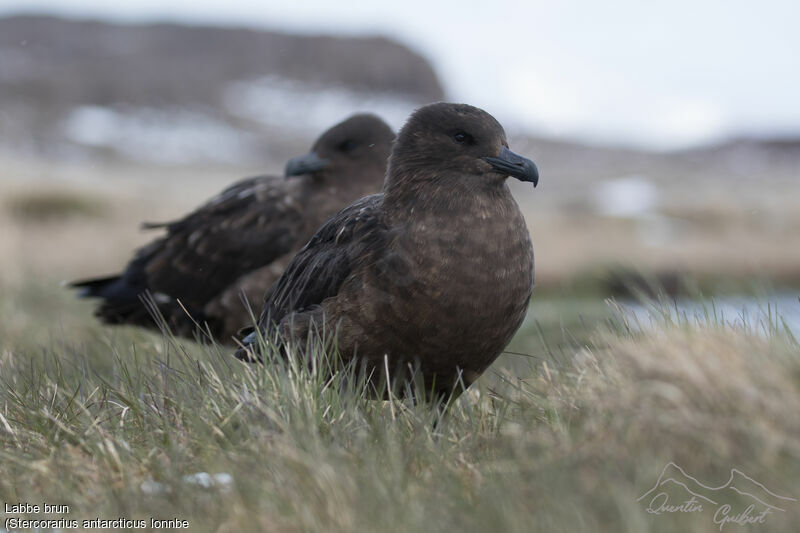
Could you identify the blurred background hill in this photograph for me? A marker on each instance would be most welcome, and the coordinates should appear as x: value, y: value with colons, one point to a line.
x: 179, y: 94
x: 71, y: 89
x: 147, y: 119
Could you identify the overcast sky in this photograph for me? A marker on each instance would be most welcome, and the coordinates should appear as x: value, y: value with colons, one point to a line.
x: 656, y: 73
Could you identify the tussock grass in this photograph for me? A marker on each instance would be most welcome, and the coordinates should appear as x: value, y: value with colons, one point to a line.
x: 53, y: 206
x: 113, y: 422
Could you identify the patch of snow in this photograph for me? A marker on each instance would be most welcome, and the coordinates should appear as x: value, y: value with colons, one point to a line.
x: 168, y: 137
x: 309, y: 109
x: 630, y: 196
x: 150, y: 486
x: 221, y: 480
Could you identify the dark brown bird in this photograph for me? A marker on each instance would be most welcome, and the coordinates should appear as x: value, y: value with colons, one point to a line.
x: 434, y: 273
x: 239, y: 242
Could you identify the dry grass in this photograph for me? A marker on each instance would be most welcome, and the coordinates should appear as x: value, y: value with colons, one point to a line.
x: 114, y: 422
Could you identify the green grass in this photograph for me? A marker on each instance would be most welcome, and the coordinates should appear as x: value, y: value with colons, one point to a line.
x: 564, y: 435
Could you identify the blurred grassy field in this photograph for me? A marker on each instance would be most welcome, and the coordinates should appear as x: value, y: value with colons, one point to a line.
x: 564, y: 432
x: 65, y: 221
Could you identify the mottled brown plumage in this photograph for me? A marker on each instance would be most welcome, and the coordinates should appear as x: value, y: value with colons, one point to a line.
x: 239, y: 242
x: 436, y: 271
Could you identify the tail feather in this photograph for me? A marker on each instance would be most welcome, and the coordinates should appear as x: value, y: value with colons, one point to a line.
x: 155, y: 225
x: 95, y: 287
x: 120, y: 304
x: 124, y: 303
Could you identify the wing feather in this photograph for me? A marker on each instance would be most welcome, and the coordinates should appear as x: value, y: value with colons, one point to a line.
x: 247, y: 226
x: 319, y: 269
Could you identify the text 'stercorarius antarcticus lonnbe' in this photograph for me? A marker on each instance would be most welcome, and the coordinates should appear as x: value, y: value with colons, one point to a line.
x: 435, y: 273
x: 240, y: 241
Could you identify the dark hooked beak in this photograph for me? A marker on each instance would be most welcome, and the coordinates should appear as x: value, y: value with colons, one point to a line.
x: 305, y: 164
x: 515, y: 165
